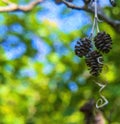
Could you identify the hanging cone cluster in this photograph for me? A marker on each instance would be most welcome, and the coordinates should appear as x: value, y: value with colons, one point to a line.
x: 82, y: 47
x: 103, y: 42
x: 94, y: 61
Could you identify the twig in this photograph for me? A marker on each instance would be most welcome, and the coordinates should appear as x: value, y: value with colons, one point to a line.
x: 14, y: 7
x: 114, y: 23
x: 72, y: 6
x: 96, y: 20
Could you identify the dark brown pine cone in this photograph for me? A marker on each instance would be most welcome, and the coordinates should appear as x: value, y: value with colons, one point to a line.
x: 82, y: 47
x: 94, y: 61
x: 103, y: 42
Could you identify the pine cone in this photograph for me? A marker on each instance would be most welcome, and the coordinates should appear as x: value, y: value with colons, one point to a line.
x: 94, y: 61
x: 82, y: 47
x: 103, y: 42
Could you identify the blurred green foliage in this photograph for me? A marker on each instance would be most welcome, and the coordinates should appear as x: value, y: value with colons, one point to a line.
x: 51, y: 89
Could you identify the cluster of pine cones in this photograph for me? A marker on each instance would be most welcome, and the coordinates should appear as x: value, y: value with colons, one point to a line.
x: 94, y: 58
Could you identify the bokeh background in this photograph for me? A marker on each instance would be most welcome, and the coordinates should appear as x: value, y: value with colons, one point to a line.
x: 42, y: 81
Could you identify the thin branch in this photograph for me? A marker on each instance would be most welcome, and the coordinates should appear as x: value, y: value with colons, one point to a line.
x: 15, y: 7
x: 72, y: 6
x: 114, y: 23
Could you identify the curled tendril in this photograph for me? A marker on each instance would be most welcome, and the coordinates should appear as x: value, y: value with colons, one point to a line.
x: 101, y: 102
x: 99, y: 61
